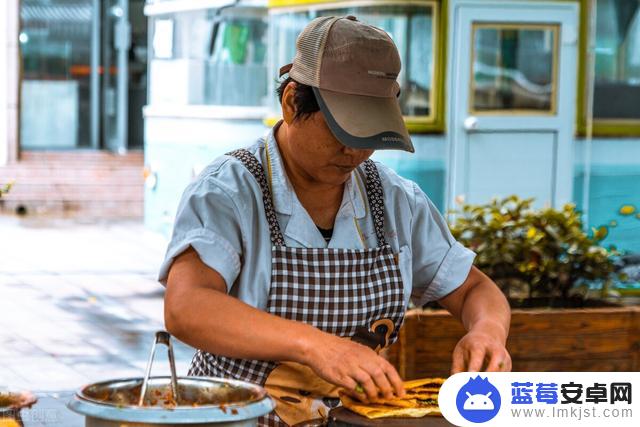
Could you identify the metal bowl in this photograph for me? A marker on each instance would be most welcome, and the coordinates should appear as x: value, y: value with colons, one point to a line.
x: 203, y: 401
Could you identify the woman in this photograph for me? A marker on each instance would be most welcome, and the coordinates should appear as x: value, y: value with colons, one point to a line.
x: 292, y: 262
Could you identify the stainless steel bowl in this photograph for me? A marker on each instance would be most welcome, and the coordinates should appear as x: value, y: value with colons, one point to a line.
x: 203, y: 401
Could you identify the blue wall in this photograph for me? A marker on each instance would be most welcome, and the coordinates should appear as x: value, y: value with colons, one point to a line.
x: 174, y: 147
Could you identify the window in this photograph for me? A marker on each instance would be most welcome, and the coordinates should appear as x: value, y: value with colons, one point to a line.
x: 514, y: 68
x: 55, y: 56
x: 210, y: 57
x: 73, y: 57
x: 411, y: 26
x: 616, y: 92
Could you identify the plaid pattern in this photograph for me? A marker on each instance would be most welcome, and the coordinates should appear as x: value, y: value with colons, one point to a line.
x: 335, y: 290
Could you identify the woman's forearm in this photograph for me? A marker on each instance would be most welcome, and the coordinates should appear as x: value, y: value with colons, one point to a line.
x: 198, y: 311
x: 479, y: 303
x: 486, y: 307
x: 221, y: 324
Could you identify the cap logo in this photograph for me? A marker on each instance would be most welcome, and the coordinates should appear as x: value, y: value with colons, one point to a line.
x: 392, y: 139
x: 382, y: 74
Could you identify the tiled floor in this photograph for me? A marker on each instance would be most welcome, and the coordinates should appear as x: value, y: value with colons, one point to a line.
x: 78, y: 303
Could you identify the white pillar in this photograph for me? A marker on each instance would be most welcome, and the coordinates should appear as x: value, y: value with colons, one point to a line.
x: 4, y: 83
x: 9, y: 20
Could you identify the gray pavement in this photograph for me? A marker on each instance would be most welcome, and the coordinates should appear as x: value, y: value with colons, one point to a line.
x: 79, y: 303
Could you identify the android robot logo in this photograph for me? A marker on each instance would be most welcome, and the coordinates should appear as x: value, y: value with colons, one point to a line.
x: 478, y: 400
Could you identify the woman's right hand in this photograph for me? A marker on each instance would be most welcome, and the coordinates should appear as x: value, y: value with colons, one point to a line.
x: 360, y: 370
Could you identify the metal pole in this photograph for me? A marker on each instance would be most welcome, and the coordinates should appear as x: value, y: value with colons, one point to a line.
x: 94, y: 88
x: 124, y: 41
x: 591, y: 64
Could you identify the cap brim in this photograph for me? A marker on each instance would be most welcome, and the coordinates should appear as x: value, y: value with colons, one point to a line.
x: 364, y: 122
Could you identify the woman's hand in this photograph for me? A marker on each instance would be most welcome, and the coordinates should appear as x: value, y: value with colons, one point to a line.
x: 482, y: 347
x: 360, y: 370
x: 485, y: 314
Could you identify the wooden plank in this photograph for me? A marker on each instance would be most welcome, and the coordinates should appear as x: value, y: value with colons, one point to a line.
x: 567, y: 346
x: 443, y: 368
x: 605, y: 339
x: 442, y: 324
x: 634, y: 341
x: 609, y: 364
x: 570, y: 345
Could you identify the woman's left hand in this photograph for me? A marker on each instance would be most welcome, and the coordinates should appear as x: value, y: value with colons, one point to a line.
x: 481, y: 348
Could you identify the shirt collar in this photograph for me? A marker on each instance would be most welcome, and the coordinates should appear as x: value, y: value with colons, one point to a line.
x: 281, y: 188
x: 283, y: 193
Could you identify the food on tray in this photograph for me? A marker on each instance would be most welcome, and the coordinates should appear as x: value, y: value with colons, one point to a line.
x: 421, y: 399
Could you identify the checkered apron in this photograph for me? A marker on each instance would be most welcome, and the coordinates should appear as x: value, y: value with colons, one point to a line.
x: 335, y: 290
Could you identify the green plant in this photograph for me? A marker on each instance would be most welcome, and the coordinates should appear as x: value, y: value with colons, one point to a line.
x: 532, y: 253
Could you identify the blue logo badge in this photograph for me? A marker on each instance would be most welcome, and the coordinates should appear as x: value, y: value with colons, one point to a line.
x: 478, y: 400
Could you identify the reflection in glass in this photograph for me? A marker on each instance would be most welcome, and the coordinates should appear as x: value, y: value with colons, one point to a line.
x: 210, y: 57
x: 513, y: 67
x: 404, y: 23
x: 617, y: 85
x: 237, y: 68
x: 55, y: 71
x: 57, y: 44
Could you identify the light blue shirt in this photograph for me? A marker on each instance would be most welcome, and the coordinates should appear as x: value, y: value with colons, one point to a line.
x: 221, y: 215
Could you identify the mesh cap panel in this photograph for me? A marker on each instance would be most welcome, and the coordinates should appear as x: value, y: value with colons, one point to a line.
x: 309, y: 51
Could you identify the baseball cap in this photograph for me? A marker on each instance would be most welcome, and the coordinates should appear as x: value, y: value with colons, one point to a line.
x: 352, y: 68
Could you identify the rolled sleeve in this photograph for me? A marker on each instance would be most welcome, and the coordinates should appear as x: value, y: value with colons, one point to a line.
x: 440, y: 263
x: 452, y: 272
x: 215, y: 251
x: 206, y: 220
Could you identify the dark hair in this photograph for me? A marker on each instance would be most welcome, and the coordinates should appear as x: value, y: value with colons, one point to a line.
x: 304, y: 99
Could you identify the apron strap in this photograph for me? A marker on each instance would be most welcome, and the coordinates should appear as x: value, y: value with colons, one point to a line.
x: 253, y: 165
x: 376, y: 200
x: 373, y: 190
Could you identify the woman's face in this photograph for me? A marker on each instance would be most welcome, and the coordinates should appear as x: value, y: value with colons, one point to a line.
x: 314, y: 150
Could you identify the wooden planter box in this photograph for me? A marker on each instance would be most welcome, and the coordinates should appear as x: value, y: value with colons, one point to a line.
x: 601, y: 339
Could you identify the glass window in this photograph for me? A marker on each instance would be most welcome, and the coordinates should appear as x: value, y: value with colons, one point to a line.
x: 617, y: 55
x: 71, y: 59
x: 411, y: 27
x: 513, y: 68
x: 55, y: 70
x: 210, y: 57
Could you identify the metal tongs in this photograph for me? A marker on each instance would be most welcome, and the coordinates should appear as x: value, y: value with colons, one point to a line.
x: 162, y: 337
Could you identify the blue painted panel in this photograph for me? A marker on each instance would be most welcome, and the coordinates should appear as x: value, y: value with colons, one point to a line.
x: 177, y: 150
x: 610, y: 189
x: 504, y: 163
x: 614, y: 182
x: 426, y: 167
